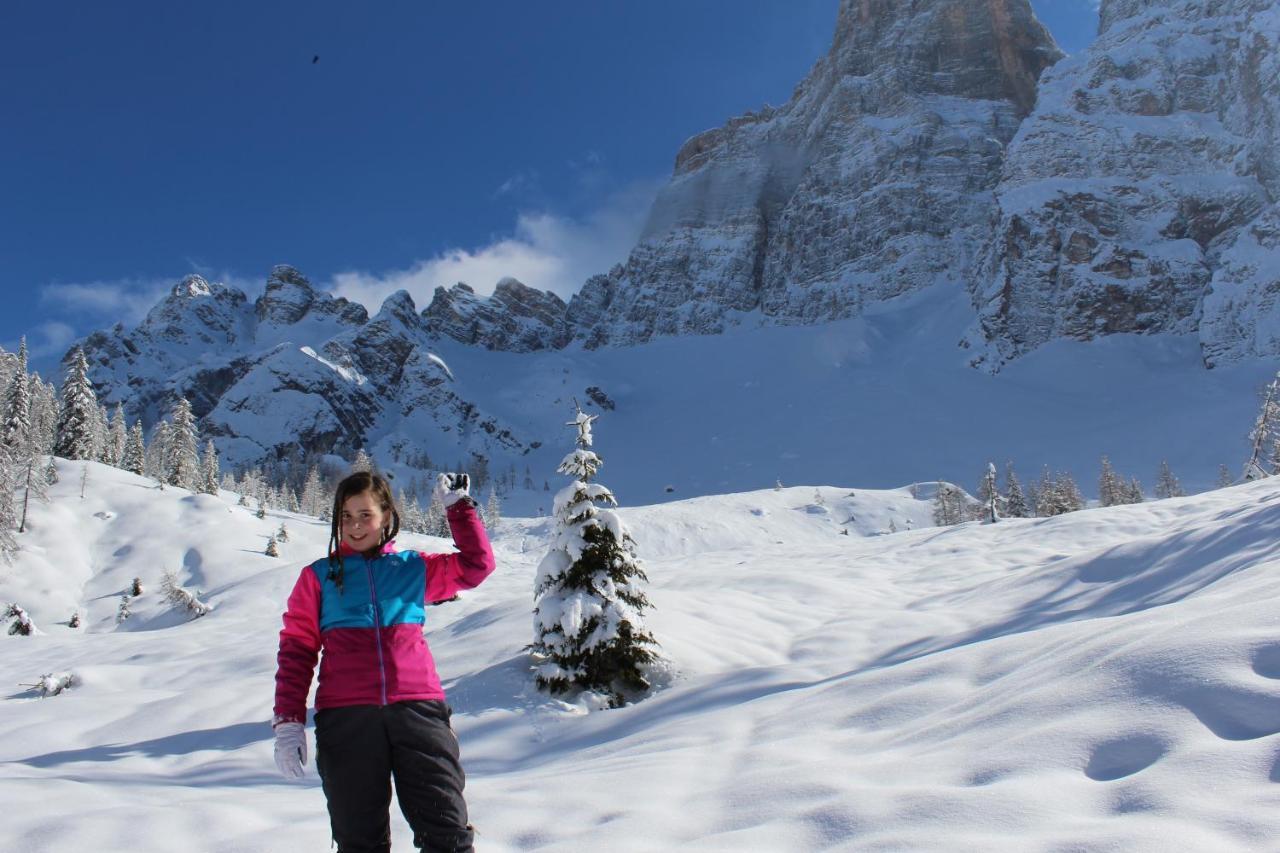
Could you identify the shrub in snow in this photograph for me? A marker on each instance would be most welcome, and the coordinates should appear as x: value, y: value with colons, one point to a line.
x: 262, y: 510
x: 589, y: 633
x: 135, y: 588
x: 22, y: 625
x: 124, y: 612
x: 75, y: 620
x: 180, y: 597
x: 51, y: 684
x: 283, y: 533
x: 272, y: 549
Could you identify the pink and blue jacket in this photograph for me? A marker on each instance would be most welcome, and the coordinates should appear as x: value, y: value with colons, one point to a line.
x: 368, y: 634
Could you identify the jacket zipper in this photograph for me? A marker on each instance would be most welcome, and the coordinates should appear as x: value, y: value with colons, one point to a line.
x: 377, y: 627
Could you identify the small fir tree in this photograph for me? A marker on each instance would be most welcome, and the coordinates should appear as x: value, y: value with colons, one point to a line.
x: 262, y: 510
x: 78, y: 417
x: 1263, y: 436
x: 1110, y: 486
x: 273, y: 549
x: 948, y: 505
x: 22, y: 625
x: 158, y: 453
x: 1135, y: 495
x: 15, y: 432
x: 1016, y: 505
x: 989, y: 495
x: 362, y: 462
x: 74, y: 622
x: 492, y: 510
x: 1167, y: 485
x: 134, y: 457
x: 123, y: 612
x: 209, y: 474
x: 588, y: 624
x: 283, y: 533
x: 117, y: 438
x: 1224, y: 477
x: 135, y: 588
x: 182, y: 461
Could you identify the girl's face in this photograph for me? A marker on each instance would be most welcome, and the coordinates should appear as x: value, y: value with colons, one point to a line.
x: 363, y: 521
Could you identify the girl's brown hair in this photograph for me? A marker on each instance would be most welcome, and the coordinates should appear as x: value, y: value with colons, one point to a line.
x: 357, y: 484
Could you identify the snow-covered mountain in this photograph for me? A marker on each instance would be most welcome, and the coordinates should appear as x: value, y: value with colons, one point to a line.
x: 937, y: 193
x: 1103, y: 680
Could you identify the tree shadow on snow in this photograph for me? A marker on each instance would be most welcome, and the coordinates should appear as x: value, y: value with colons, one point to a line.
x: 226, y: 739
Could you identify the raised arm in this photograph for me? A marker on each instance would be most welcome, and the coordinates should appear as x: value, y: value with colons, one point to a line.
x: 473, y: 562
x: 299, y: 649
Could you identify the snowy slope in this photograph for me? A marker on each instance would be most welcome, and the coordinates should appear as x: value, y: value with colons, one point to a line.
x: 1106, y: 680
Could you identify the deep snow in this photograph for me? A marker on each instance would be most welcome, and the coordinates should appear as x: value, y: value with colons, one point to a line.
x: 1105, y: 680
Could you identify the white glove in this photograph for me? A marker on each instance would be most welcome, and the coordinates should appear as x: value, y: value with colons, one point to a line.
x: 291, y: 749
x: 451, y: 488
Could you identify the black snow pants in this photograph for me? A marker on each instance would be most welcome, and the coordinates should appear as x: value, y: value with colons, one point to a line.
x: 360, y: 749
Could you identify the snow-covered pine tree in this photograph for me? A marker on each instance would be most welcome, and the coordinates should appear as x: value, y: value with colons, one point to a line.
x: 44, y: 414
x: 180, y: 597
x: 78, y: 417
x: 948, y: 505
x: 15, y: 432
x: 273, y: 549
x: 1110, y: 486
x: 1167, y: 485
x: 1015, y: 502
x: 134, y: 458
x: 1134, y: 493
x: 262, y: 510
x: 1044, y: 495
x: 51, y: 471
x: 157, y: 457
x: 362, y: 462
x: 209, y: 474
x: 123, y: 612
x: 22, y: 625
x: 1067, y: 495
x: 117, y: 437
x: 1224, y: 477
x: 135, y: 588
x: 74, y: 621
x: 492, y: 510
x: 313, y: 495
x: 34, y: 483
x: 989, y: 495
x: 434, y: 522
x: 588, y: 623
x: 1264, y: 432
x: 8, y: 521
x: 182, y: 462
x: 283, y: 533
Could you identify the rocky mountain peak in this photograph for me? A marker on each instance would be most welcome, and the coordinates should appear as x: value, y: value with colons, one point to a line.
x: 516, y: 317
x: 192, y: 286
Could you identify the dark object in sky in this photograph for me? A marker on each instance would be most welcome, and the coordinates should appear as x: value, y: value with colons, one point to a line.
x: 315, y: 59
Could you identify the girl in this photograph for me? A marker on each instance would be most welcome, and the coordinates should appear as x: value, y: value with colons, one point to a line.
x: 380, y: 710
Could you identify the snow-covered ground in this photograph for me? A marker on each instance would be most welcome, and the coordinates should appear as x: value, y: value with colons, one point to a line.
x: 1106, y: 680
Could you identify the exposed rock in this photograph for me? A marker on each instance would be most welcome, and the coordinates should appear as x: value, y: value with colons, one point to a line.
x: 516, y: 317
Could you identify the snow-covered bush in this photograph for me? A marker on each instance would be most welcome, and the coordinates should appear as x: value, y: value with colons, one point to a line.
x: 123, y: 612
x: 53, y: 683
x: 273, y: 550
x: 22, y: 625
x: 180, y: 597
x: 589, y: 632
x: 74, y: 622
x: 135, y: 588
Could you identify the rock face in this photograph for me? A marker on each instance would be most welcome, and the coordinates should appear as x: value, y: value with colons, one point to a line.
x: 296, y: 372
x: 874, y: 180
x: 1133, y: 198
x: 515, y: 318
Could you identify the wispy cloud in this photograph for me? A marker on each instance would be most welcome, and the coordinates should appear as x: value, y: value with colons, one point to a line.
x: 105, y: 302
x: 546, y: 250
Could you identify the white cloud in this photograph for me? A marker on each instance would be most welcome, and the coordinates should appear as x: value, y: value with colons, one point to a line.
x: 105, y: 302
x: 48, y: 340
x: 547, y: 251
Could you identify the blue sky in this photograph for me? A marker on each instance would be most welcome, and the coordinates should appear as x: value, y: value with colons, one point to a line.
x: 431, y: 142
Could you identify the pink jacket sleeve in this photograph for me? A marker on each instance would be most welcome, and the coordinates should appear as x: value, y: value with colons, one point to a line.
x: 299, y: 649
x: 449, y: 573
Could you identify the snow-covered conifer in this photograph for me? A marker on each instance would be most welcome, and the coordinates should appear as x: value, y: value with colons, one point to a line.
x: 1067, y: 494
x: 362, y: 462
x: 314, y: 498
x: 589, y: 633
x: 182, y: 462
x: 262, y: 510
x: 1266, y: 427
x: 22, y: 625
x: 180, y: 597
x: 1135, y: 494
x: 15, y: 432
x: 117, y: 438
x: 74, y: 621
x: 948, y: 505
x: 51, y: 472
x: 989, y: 494
x: 283, y: 533
x: 134, y: 457
x: 1110, y: 486
x: 135, y: 588
x: 1015, y: 502
x: 209, y: 474
x: 44, y: 414
x: 34, y: 483
x: 123, y: 612
x: 273, y: 549
x: 492, y: 510
x: 157, y: 455
x: 78, y: 417
x: 1167, y: 485
x: 1044, y: 494
x: 1224, y: 477
x: 434, y: 521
